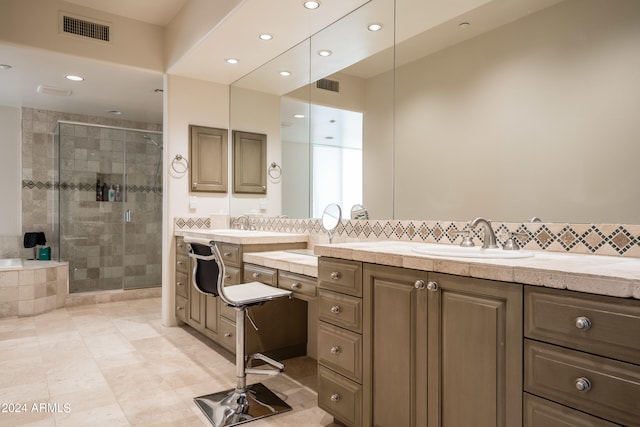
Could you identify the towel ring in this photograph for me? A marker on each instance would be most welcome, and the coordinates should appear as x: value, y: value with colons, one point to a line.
x: 177, y: 160
x: 275, y: 171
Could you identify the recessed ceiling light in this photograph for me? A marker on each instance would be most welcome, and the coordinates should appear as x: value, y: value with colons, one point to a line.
x: 115, y: 112
x: 324, y: 52
x: 464, y: 25
x: 311, y: 4
x: 74, y: 78
x: 299, y: 116
x: 374, y: 27
x: 5, y: 67
x: 285, y: 73
x: 232, y: 61
x: 265, y: 36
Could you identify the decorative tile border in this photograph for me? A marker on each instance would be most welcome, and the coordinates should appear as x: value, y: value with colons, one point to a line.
x: 81, y: 186
x: 192, y: 223
x: 598, y: 239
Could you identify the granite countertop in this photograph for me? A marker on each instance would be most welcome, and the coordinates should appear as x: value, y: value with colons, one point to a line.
x: 596, y: 274
x: 245, y: 237
x: 301, y: 261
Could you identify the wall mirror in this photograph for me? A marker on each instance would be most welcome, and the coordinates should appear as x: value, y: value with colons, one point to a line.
x: 509, y: 110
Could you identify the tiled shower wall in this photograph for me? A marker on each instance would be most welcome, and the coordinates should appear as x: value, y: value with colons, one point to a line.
x: 92, y: 232
x: 596, y: 239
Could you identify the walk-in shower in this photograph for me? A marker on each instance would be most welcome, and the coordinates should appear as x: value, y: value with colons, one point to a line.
x: 109, y: 205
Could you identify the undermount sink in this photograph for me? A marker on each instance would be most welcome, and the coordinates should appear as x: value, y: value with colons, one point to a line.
x: 453, y: 251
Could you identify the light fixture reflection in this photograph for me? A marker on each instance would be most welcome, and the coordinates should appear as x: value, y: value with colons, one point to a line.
x: 374, y: 27
x: 311, y: 4
x: 285, y: 73
x: 74, y: 78
x: 232, y: 61
x: 265, y: 36
x: 325, y: 52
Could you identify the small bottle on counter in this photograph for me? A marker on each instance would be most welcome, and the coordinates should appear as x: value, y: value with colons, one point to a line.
x: 105, y: 192
x: 112, y: 194
x: 98, y: 191
x: 118, y: 196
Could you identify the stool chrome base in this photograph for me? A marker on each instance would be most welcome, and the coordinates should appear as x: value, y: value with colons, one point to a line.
x: 230, y: 407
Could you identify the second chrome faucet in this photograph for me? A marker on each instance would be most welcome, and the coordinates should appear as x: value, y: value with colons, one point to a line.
x: 489, y: 237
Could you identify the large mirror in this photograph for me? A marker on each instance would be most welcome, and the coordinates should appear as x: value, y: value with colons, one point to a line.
x: 509, y: 110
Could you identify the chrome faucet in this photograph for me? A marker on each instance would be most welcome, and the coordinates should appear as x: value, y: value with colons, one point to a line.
x: 489, y: 238
x: 242, y: 222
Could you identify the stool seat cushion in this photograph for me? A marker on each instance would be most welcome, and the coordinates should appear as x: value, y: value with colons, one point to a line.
x: 252, y: 293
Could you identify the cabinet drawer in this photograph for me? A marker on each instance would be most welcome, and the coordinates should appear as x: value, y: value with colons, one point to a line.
x: 611, y: 389
x: 341, y: 310
x: 340, y: 276
x: 181, y: 308
x: 182, y: 283
x: 340, y: 397
x: 228, y: 312
x: 182, y: 263
x: 181, y: 247
x: 227, y: 334
x: 231, y: 254
x: 299, y: 284
x: 601, y: 325
x: 544, y: 413
x: 232, y: 276
x: 340, y: 350
x: 256, y: 273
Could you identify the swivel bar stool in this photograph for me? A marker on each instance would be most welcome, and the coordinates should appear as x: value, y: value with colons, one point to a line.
x: 243, y: 403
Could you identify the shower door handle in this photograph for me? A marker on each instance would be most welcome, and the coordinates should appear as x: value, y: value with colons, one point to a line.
x: 127, y: 215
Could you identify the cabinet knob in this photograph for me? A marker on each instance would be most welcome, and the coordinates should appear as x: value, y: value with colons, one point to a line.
x: 419, y: 284
x: 335, y: 275
x: 227, y: 334
x: 227, y: 254
x: 179, y: 283
x: 335, y: 309
x: 296, y: 285
x: 180, y: 308
x: 583, y: 384
x: 433, y: 286
x: 335, y: 350
x: 180, y: 245
x: 335, y: 397
x: 255, y: 275
x: 180, y: 262
x: 227, y: 276
x: 583, y: 323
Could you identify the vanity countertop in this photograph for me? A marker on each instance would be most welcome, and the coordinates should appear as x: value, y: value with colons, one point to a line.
x: 301, y: 261
x: 244, y: 237
x: 596, y: 274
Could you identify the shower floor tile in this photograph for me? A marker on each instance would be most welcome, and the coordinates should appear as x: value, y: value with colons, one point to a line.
x: 114, y: 364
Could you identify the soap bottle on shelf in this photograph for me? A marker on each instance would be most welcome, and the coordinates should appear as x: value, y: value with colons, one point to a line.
x: 105, y: 192
x: 112, y: 194
x: 118, y: 196
x: 98, y: 191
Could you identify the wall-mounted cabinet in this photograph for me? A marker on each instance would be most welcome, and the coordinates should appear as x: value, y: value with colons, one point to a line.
x: 249, y: 162
x: 208, y: 151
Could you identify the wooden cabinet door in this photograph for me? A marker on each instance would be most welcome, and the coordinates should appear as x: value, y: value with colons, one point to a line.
x: 211, y: 310
x: 208, y: 154
x: 395, y: 338
x: 475, y: 353
x: 249, y: 162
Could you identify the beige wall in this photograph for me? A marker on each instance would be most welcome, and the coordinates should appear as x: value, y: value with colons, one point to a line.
x: 187, y: 101
x: 10, y: 172
x: 538, y: 117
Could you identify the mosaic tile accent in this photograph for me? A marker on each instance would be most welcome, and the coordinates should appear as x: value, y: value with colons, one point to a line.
x: 83, y: 186
x: 192, y: 223
x: 597, y: 239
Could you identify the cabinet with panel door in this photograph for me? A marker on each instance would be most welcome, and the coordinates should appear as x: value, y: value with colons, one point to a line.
x: 405, y: 347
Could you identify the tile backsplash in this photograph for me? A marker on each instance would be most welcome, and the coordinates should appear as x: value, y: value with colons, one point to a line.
x: 597, y: 239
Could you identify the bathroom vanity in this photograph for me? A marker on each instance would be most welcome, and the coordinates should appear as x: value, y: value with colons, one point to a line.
x: 282, y: 323
x: 412, y: 340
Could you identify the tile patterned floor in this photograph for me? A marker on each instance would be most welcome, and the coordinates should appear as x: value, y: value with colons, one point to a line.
x: 115, y: 365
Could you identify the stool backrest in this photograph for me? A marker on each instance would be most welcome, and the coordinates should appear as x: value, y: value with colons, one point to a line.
x: 207, y: 274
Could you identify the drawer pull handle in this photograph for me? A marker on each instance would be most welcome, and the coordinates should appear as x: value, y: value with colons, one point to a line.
x: 296, y: 285
x: 256, y: 275
x: 335, y: 350
x: 583, y: 384
x: 335, y: 397
x: 433, y: 286
x: 583, y: 323
x: 335, y: 309
x: 227, y: 254
x: 335, y: 275
x: 227, y: 334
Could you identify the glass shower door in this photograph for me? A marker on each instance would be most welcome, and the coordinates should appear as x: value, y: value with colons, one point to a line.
x: 143, y: 210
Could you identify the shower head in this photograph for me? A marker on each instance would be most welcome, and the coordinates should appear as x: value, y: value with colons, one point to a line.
x: 153, y: 141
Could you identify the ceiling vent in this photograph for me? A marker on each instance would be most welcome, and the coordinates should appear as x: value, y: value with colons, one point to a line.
x: 82, y: 27
x: 330, y: 85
